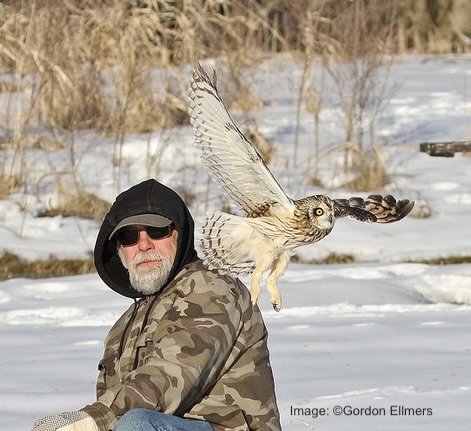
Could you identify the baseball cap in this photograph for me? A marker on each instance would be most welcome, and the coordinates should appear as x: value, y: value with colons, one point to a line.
x: 142, y: 219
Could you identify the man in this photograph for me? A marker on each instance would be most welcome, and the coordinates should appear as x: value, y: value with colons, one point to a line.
x: 191, y: 352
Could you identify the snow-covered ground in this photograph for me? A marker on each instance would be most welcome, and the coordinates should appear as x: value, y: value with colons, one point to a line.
x: 349, y: 336
x: 383, y: 342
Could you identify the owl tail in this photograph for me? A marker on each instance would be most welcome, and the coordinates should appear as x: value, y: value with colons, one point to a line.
x: 225, y: 243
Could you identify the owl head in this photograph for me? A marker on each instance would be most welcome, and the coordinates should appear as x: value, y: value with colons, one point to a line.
x: 319, y: 210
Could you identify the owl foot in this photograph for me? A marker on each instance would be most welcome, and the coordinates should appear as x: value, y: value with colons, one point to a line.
x: 255, y: 287
x: 254, y: 296
x: 275, y: 296
x: 276, y: 304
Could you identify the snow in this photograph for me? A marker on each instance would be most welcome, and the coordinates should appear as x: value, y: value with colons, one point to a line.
x: 384, y: 340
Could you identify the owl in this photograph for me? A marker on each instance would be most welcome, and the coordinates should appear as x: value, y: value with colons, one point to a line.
x: 262, y: 241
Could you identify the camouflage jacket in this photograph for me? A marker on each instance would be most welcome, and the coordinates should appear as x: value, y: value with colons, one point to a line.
x: 197, y: 350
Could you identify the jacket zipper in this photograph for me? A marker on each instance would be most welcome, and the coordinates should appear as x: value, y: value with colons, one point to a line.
x: 126, y: 328
x: 144, y: 324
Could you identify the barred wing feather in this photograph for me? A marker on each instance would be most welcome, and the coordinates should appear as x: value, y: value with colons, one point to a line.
x: 228, y: 154
x: 376, y: 208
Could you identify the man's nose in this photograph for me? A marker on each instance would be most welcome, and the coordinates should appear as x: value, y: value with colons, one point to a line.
x: 145, y: 241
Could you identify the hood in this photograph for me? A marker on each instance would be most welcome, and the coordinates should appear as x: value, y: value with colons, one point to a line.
x: 148, y: 197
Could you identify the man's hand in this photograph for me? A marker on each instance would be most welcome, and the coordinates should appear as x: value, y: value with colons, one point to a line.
x: 68, y: 421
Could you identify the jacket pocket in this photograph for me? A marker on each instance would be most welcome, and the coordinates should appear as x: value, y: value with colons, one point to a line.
x: 144, y: 348
x: 108, y: 372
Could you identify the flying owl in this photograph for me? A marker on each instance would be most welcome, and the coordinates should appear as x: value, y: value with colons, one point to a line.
x: 275, y: 224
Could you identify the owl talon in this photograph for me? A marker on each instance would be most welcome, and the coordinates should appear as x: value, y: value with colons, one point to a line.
x: 254, y: 298
x: 276, y: 305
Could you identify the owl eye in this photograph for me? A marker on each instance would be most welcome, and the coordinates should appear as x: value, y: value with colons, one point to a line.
x: 318, y: 211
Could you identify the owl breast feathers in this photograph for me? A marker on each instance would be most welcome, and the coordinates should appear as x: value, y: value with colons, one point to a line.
x: 275, y: 224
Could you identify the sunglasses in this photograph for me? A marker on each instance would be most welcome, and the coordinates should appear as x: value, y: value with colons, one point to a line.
x: 130, y: 235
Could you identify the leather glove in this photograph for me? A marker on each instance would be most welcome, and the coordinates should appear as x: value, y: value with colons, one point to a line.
x: 68, y: 421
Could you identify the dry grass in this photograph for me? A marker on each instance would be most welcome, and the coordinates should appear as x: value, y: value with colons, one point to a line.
x: 357, y: 60
x: 330, y: 259
x: 334, y: 258
x: 12, y: 266
x: 9, y: 184
x: 80, y: 204
x: 450, y: 260
x: 81, y: 52
x: 372, y: 174
x: 110, y: 64
x: 265, y: 147
x: 31, y: 141
x: 84, y: 64
x: 7, y: 86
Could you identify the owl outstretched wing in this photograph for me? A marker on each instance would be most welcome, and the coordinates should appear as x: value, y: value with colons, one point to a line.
x: 376, y: 208
x: 228, y: 154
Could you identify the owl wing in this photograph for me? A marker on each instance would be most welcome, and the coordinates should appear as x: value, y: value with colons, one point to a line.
x: 376, y: 208
x: 228, y: 154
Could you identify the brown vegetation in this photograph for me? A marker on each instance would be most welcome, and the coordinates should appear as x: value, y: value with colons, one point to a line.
x: 12, y: 266
x: 109, y: 65
x: 330, y: 259
x: 79, y: 204
x: 81, y: 51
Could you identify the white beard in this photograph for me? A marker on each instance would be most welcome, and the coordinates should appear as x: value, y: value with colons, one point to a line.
x: 148, y: 281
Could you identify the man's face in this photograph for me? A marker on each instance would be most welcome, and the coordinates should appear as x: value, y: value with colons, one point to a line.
x: 149, y: 261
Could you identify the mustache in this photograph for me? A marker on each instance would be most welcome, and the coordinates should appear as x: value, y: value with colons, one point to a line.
x: 148, y: 255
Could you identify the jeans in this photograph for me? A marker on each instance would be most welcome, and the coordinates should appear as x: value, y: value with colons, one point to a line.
x: 149, y: 420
